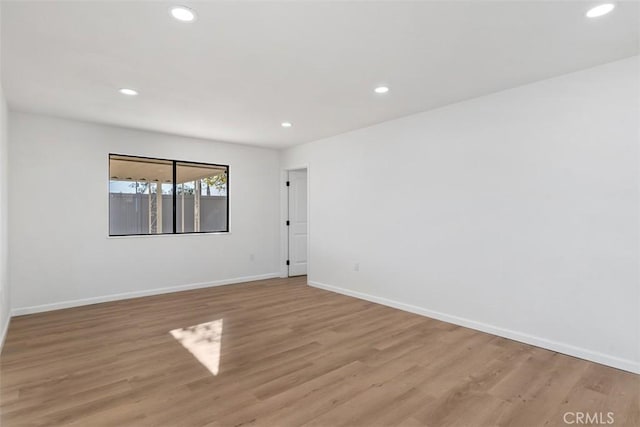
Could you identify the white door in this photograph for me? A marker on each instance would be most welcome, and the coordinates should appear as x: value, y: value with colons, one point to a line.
x: 297, y: 222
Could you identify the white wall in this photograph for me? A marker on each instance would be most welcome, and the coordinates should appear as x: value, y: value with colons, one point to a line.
x: 515, y: 213
x: 5, y: 304
x: 63, y: 257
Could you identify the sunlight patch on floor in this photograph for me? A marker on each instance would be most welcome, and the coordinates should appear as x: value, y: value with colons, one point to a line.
x: 203, y: 341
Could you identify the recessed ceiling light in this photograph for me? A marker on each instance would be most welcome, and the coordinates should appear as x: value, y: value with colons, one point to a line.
x: 381, y: 89
x: 603, y: 9
x: 286, y: 124
x: 130, y: 92
x: 183, y: 14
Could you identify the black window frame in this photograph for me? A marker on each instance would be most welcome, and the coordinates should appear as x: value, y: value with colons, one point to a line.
x: 174, y: 203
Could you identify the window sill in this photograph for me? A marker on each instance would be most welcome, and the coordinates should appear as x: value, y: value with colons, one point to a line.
x: 135, y: 236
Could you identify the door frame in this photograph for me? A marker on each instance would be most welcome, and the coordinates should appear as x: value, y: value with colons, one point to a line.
x: 284, y: 215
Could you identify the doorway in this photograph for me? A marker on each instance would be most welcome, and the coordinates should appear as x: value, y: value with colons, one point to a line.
x: 297, y: 222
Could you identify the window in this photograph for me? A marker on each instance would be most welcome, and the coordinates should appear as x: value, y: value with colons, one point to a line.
x: 156, y: 196
x: 201, y: 197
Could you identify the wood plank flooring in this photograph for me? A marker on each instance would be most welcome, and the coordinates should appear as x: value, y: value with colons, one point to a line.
x: 289, y: 355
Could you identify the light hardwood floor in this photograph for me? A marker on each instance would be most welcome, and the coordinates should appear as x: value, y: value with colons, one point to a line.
x: 289, y: 355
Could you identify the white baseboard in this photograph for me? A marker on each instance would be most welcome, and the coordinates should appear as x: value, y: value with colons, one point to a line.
x: 582, y: 353
x: 3, y: 333
x: 136, y: 294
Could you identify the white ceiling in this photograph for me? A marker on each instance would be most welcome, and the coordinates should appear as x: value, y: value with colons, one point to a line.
x: 242, y: 68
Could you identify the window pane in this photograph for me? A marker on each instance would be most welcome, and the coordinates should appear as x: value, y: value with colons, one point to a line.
x: 140, y: 196
x: 201, y: 198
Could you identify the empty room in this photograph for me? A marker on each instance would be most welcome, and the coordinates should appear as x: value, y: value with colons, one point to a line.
x: 319, y: 213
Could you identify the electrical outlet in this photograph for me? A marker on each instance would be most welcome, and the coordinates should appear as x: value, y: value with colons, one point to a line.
x: 252, y: 257
x: 356, y: 266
